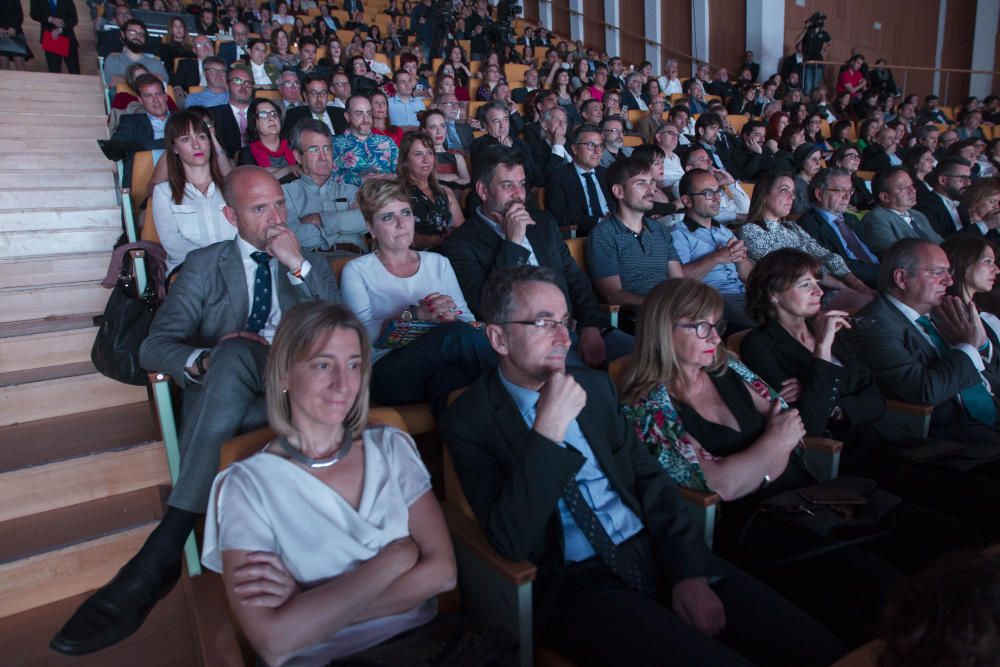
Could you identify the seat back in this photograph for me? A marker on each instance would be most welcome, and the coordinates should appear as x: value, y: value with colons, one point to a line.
x: 734, y: 341
x: 142, y: 171
x: 578, y: 251
x: 632, y: 141
x: 337, y: 266
x: 149, y: 232
x: 617, y: 368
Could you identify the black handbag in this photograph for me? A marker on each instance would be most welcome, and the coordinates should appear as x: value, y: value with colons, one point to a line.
x: 123, y: 327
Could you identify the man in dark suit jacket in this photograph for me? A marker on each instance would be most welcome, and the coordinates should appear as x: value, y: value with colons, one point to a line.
x: 188, y: 71
x: 907, y: 361
x: 502, y: 233
x: 135, y: 130
x: 214, y: 346
x: 316, y: 92
x: 236, y: 49
x: 548, y: 148
x: 497, y: 122
x: 881, y: 154
x: 525, y: 438
x: 566, y: 197
x: 63, y: 18
x: 830, y: 192
x: 227, y: 128
x: 949, y: 179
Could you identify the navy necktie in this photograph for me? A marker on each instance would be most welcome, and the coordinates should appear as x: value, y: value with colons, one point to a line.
x: 595, y: 200
x: 260, y: 309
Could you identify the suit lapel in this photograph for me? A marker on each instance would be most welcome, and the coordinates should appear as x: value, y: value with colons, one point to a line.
x: 234, y: 278
x: 912, y: 338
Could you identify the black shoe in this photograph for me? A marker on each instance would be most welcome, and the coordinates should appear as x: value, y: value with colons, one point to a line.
x: 114, y: 611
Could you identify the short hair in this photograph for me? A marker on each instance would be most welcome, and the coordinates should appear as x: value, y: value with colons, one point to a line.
x: 144, y: 80
x: 313, y: 77
x: 775, y: 272
x: 493, y: 106
x: 302, y: 328
x: 945, y: 167
x: 930, y: 98
x: 497, y: 302
x: 707, y: 120
x: 493, y: 157
x: 923, y: 131
x: 542, y: 95
x: 822, y: 179
x: 964, y: 251
x: 622, y: 169
x: 581, y: 129
x: 306, y: 41
x: 549, y: 113
x: 376, y: 193
x: 752, y: 125
x: 678, y: 109
x: 648, y: 154
x: 589, y: 103
x: 903, y: 254
x: 212, y: 60
x: 880, y: 183
x: 611, y: 119
x: 655, y: 358
x: 686, y: 158
x: 684, y: 185
x: 307, y: 125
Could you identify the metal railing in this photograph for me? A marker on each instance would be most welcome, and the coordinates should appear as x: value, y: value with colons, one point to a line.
x: 906, y: 69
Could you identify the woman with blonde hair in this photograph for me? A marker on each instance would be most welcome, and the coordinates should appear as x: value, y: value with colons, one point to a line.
x: 982, y: 201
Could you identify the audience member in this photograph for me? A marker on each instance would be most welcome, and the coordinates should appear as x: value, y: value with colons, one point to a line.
x: 751, y: 157
x: 316, y: 93
x: 267, y: 148
x: 187, y: 208
x: 143, y: 131
x: 639, y: 568
x: 459, y: 134
x: 548, y: 148
x: 613, y: 134
x: 498, y: 134
x: 577, y: 193
x: 290, y: 89
x: 647, y: 126
x: 894, y: 217
x: 919, y: 163
x: 734, y: 203
x: 381, y: 125
x: 358, y: 152
x: 451, y: 166
x: 940, y: 203
x: 666, y: 138
x: 264, y: 75
x: 236, y: 49
x: 230, y: 119
x: 881, y: 155
x: 807, y: 164
x: 191, y: 71
x: 435, y: 209
x: 403, y: 107
x: 848, y: 158
x: 322, y: 207
x: 396, y: 289
x: 982, y: 202
x: 216, y: 92
x: 133, y: 51
x: 214, y: 345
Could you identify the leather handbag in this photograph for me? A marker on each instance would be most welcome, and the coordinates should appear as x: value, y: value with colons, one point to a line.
x: 124, y: 325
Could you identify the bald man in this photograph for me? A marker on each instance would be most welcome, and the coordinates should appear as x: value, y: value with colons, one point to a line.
x: 212, y: 335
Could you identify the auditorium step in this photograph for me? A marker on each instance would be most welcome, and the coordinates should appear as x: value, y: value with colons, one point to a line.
x: 54, y: 269
x: 94, y: 238
x: 80, y: 122
x: 81, y: 146
x: 18, y: 179
x: 55, y: 348
x: 71, y: 197
x: 27, y: 160
x: 60, y: 390
x: 34, y: 302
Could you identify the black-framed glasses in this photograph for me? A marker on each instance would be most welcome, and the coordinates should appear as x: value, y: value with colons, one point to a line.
x: 704, y: 328
x: 590, y: 145
x: 545, y: 324
x: 707, y: 194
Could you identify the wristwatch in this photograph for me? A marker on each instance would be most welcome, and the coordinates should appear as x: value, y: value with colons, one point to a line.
x: 408, y: 314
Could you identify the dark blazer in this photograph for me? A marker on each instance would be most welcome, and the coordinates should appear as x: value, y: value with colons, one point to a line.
x: 776, y: 356
x: 930, y: 204
x: 532, y: 171
x: 465, y: 135
x: 135, y: 131
x: 210, y: 299
x: 513, y: 478
x: 908, y: 367
x: 749, y: 166
x: 295, y: 114
x: 520, y: 95
x: 65, y: 9
x: 874, y: 158
x: 227, y: 51
x: 789, y: 65
x: 628, y: 100
x: 814, y: 225
x: 566, y: 199
x: 227, y: 130
x: 476, y: 250
x: 186, y: 73
x: 543, y: 155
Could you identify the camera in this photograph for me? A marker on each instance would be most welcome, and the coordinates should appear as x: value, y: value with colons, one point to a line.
x: 815, y: 37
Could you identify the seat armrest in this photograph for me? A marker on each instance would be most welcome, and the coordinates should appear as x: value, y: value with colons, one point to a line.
x: 569, y: 231
x: 905, y: 420
x: 699, y: 498
x: 470, y: 535
x: 703, y: 506
x: 914, y: 409
x: 821, y: 444
x: 822, y: 456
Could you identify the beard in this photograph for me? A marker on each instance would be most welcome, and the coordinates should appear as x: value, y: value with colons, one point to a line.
x: 133, y: 45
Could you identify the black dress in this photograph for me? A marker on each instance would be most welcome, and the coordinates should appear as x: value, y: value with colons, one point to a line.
x: 12, y: 16
x: 432, y: 218
x: 845, y: 588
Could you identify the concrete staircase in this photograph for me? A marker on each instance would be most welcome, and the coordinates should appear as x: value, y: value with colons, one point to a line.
x: 82, y: 470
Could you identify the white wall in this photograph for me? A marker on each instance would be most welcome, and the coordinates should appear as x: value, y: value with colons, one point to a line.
x: 766, y: 34
x: 984, y: 46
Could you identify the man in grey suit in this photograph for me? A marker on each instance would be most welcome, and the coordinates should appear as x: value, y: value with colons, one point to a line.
x: 895, y: 218
x: 928, y: 347
x: 212, y: 336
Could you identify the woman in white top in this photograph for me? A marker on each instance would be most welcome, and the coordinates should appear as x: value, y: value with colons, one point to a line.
x: 329, y: 540
x: 670, y: 81
x: 973, y: 262
x: 396, y: 290
x: 265, y: 75
x: 187, y: 207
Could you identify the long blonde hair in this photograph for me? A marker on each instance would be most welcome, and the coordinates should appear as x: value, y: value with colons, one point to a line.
x: 654, y: 360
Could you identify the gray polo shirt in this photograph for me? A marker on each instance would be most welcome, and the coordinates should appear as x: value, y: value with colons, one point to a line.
x: 640, y: 260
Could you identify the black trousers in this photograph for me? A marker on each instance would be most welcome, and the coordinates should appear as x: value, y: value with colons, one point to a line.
x: 54, y: 61
x: 598, y: 620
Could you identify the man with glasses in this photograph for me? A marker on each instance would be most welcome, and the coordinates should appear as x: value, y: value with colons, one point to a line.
x: 458, y: 135
x: 133, y: 51
x: 340, y: 88
x: 322, y: 208
x: 236, y: 49
x: 556, y: 476
x: 231, y: 118
x: 894, y: 217
x: 291, y: 90
x: 359, y: 153
x: 646, y: 127
x: 627, y: 253
x: 709, y: 251
x: 829, y: 222
x: 316, y: 91
x: 734, y: 203
x: 501, y: 233
x: 577, y: 193
x: 930, y: 347
x: 949, y: 180
x: 216, y: 91
x: 188, y: 72
x: 613, y: 135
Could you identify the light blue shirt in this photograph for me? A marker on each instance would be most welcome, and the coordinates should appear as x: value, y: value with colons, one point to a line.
x: 158, y: 126
x: 404, y: 113
x: 583, y: 181
x: 829, y: 218
x: 692, y: 242
x: 618, y: 520
x: 207, y: 98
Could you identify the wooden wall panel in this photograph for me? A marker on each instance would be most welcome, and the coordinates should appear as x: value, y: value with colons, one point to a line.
x: 908, y: 34
x: 530, y: 10
x: 677, y: 34
x: 957, y: 50
x: 633, y: 32
x: 560, y: 18
x: 727, y: 33
x: 593, y: 24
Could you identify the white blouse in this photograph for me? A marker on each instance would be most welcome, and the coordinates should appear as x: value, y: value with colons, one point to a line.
x: 269, y: 503
x: 260, y: 77
x: 195, y: 223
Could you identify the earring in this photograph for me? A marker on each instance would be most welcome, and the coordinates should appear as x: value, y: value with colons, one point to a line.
x: 285, y: 391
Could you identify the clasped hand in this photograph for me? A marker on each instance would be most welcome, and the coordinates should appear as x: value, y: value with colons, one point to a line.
x: 958, y: 322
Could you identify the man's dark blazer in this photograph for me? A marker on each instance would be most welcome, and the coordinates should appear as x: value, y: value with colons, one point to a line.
x: 465, y: 135
x: 776, y: 355
x: 543, y: 155
x: 227, y: 130
x: 930, y: 204
x: 814, y: 225
x: 909, y: 368
x: 520, y: 95
x: 227, y: 51
x: 40, y: 11
x: 186, y: 73
x: 789, y: 65
x: 614, y: 82
x: 513, y: 478
x: 723, y: 89
x: 296, y: 114
x: 874, y: 158
x: 532, y: 171
x: 628, y: 100
x: 135, y: 130
x: 566, y: 199
x: 749, y: 166
x: 476, y: 250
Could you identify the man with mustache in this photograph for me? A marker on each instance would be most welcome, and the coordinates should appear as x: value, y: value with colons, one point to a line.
x: 133, y: 35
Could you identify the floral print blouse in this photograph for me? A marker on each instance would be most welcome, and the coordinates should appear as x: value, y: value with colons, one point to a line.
x: 354, y: 157
x: 787, y: 234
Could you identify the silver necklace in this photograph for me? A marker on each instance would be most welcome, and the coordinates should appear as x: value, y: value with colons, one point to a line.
x: 309, y: 462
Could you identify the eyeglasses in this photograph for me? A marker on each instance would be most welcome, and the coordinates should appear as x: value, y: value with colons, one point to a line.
x: 325, y: 149
x: 290, y: 84
x: 704, y: 328
x: 612, y: 130
x: 317, y: 93
x: 707, y: 194
x: 215, y: 70
x: 267, y: 114
x: 240, y: 81
x: 135, y: 33
x: 544, y: 324
x: 594, y: 147
x: 841, y: 191
x: 938, y: 272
